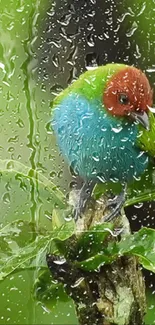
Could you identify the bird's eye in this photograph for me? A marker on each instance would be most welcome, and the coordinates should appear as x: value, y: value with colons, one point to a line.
x: 123, y: 99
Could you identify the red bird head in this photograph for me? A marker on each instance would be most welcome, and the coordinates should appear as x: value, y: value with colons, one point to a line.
x: 128, y: 93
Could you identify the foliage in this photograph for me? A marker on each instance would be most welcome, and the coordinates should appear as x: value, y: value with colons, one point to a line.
x: 141, y: 244
x: 47, y: 290
x: 24, y: 244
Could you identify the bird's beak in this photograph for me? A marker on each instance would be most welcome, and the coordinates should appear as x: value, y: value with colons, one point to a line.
x: 142, y: 118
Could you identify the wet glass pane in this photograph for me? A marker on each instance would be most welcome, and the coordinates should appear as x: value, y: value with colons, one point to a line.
x: 44, y: 47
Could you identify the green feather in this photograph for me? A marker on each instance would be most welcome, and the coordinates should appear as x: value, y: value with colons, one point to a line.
x: 92, y: 83
x: 146, y: 139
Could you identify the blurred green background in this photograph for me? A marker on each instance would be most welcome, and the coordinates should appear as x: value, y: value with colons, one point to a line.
x: 44, y: 45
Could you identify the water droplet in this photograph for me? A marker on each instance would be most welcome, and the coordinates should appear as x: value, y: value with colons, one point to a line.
x: 48, y: 215
x: 6, y: 198
x: 128, y: 13
x: 66, y: 36
x: 2, y: 66
x: 142, y: 9
x: 11, y: 149
x: 14, y: 139
x: 54, y: 41
x: 8, y: 186
x: 56, y: 89
x: 137, y: 178
x: 53, y: 174
x: 60, y: 173
x: 20, y: 123
x: 101, y: 37
x: 91, y: 40
x: 10, y: 26
x: 138, y: 205
x: 125, y: 139
x: 13, y: 289
x: 37, y: 139
x: 60, y: 261
x: 91, y: 68
x: 51, y: 11
x: 91, y: 13
x: 90, y: 26
x: 43, y: 87
x: 77, y: 283
x: 152, y: 109
x: 49, y: 128
x: 10, y: 165
x: 55, y: 60
x: 132, y: 246
x: 132, y: 30
x: 72, y: 55
x: 21, y: 8
x: 150, y: 70
x: 137, y: 54
x: 95, y: 156
x: 106, y: 35
x: 68, y: 218
x: 134, y: 217
x: 101, y: 178
x: 23, y: 185
x: 118, y: 129
x: 65, y: 20
x: 72, y: 76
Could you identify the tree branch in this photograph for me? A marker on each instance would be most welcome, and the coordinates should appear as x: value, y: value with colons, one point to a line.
x: 113, y: 296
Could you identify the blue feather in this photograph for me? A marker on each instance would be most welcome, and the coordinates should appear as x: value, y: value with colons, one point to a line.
x: 97, y: 145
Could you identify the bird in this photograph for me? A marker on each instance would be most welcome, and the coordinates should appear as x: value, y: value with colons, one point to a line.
x: 96, y: 122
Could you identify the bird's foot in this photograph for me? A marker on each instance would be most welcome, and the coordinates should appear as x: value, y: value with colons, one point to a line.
x: 116, y: 205
x: 80, y: 198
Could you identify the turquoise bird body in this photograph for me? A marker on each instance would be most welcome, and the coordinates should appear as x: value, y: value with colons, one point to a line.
x: 96, y: 145
x: 96, y: 122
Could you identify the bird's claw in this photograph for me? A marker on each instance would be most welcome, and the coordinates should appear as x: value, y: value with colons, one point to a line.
x: 117, y: 202
x: 75, y: 201
x: 79, y: 199
x: 78, y: 210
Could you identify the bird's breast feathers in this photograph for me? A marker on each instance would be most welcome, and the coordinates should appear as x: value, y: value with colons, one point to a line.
x: 97, y: 144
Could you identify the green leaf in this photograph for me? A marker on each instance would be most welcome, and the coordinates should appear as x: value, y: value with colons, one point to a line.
x: 63, y: 224
x: 28, y: 193
x: 64, y: 232
x: 143, y: 196
x: 47, y: 291
x: 19, y: 169
x: 141, y: 190
x: 141, y: 244
x: 146, y: 139
x: 11, y: 263
x: 150, y: 314
x: 23, y: 245
x: 92, y: 241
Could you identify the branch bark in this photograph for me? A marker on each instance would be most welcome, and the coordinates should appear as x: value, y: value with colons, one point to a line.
x: 113, y: 296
